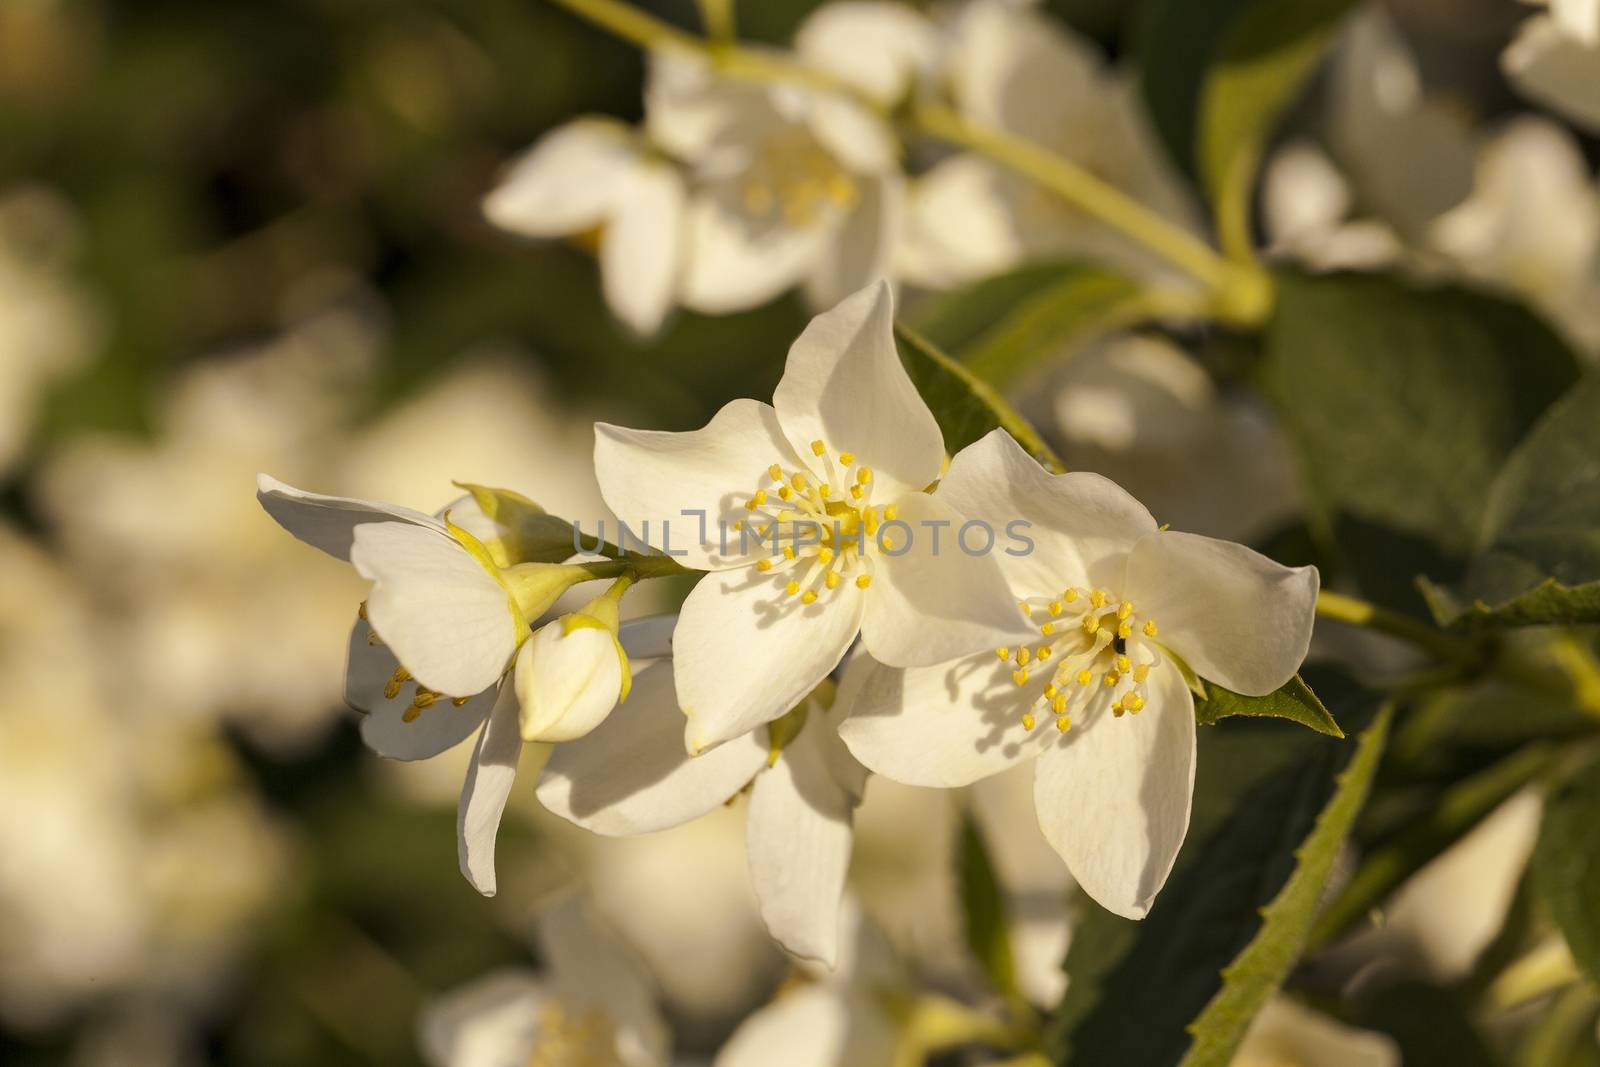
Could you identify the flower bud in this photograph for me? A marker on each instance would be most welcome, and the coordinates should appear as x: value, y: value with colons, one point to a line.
x: 572, y: 672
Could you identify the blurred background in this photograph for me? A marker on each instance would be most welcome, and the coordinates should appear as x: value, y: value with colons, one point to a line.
x: 237, y: 237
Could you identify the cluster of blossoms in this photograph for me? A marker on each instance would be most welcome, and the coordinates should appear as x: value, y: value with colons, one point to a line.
x: 846, y: 638
x: 743, y: 183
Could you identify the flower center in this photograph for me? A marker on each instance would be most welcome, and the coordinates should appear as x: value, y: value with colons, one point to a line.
x: 792, y: 179
x: 422, y: 698
x: 570, y: 1038
x: 1096, y: 654
x: 820, y: 528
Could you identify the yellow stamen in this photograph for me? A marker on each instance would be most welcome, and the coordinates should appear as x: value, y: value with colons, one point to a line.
x: 890, y: 513
x: 1070, y: 595
x: 1059, y: 705
x: 855, y: 492
x: 1020, y: 677
x: 863, y: 580
x: 864, y: 475
x: 792, y: 588
x: 1124, y: 609
x: 1027, y: 721
x: 1003, y: 652
x: 788, y: 552
x: 1055, y: 607
x: 1124, y: 664
x: 1050, y: 691
x: 1091, y: 624
x: 832, y: 580
x: 1085, y: 677
x: 799, y: 482
x: 784, y: 492
x: 808, y: 597
x: 1111, y: 678
x: 824, y: 556
x: 1141, y: 672
x: 1150, y: 628
x: 1063, y: 724
x: 775, y: 472
x: 1124, y: 630
x: 818, y: 448
x: 847, y: 458
x: 1047, y: 629
x: 1133, y: 702
x: 1097, y: 598
x: 1023, y: 655
x: 1044, y: 652
x: 763, y: 565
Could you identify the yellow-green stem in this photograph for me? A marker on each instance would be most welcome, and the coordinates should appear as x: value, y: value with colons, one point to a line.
x: 1356, y: 612
x: 718, y: 18
x: 631, y: 24
x: 1241, y: 293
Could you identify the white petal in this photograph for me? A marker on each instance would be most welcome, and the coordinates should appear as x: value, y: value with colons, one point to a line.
x: 491, y: 1022
x: 735, y: 260
x: 936, y: 602
x: 844, y: 384
x: 944, y: 726
x: 690, y: 112
x: 1285, y: 1032
x: 1113, y: 795
x: 1081, y: 525
x: 881, y: 48
x: 369, y: 668
x: 445, y: 618
x: 641, y: 250
x: 798, y: 833
x: 593, y: 971
x: 960, y: 225
x: 745, y: 653
x: 854, y: 136
x: 656, y: 481
x: 864, y: 243
x: 1234, y: 615
x: 1557, y: 69
x: 1019, y: 70
x: 328, y: 522
x: 483, y: 796
x: 817, y: 1026
x: 567, y: 182
x: 567, y: 683
x: 1579, y: 19
x: 630, y: 775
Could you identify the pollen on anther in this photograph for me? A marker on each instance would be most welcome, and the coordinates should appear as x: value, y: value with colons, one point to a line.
x: 1070, y: 595
x: 799, y: 482
x: 818, y: 448
x: 411, y: 714
x: 832, y: 580
x: 775, y: 472
x: 1044, y: 652
x: 1133, y: 702
x: 1003, y: 652
x: 1124, y: 664
x: 1150, y: 628
x: 863, y: 580
x: 825, y: 491
x: 792, y: 587
x: 784, y: 492
x: 890, y: 513
x: 1023, y: 655
x: 1059, y: 705
x: 1124, y: 630
x: 1141, y: 672
x: 1085, y: 677
x: 1117, y: 709
x: 1020, y: 677
x: 763, y: 565
x: 847, y: 458
x: 864, y: 475
x: 824, y: 556
x: 1098, y: 598
x: 1050, y: 691
x: 808, y: 597
x: 1124, y: 609
x: 1064, y: 724
x: 459, y: 702
x: 788, y: 552
x: 855, y: 492
x: 1055, y: 607
x: 1091, y: 624
x: 1111, y: 678
x: 1028, y: 721
x: 1047, y: 629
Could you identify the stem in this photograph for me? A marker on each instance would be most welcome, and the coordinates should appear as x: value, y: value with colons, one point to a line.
x: 1239, y: 290
x: 1461, y: 808
x: 632, y: 566
x: 1356, y: 612
x: 631, y: 24
x: 717, y: 15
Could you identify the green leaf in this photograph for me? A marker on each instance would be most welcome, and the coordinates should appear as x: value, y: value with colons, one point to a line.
x: 1403, y: 405
x: 1294, y: 701
x: 983, y: 909
x: 1258, y: 971
x: 1539, y: 556
x: 965, y: 406
x: 1001, y: 326
x: 1176, y: 41
x: 1566, y: 866
x: 1269, y: 54
x: 1270, y: 811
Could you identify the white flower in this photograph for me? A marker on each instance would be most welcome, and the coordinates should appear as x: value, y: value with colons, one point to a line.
x: 853, y: 1016
x: 592, y: 1005
x: 791, y: 184
x: 1532, y: 223
x: 596, y: 173
x: 1555, y: 59
x: 630, y: 776
x: 453, y: 615
x: 1143, y: 412
x: 1098, y: 699
x: 1283, y: 1032
x: 573, y: 672
x: 810, y: 514
x: 1017, y: 69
